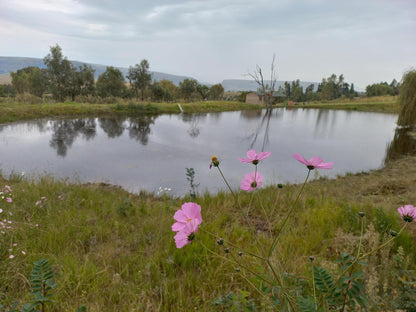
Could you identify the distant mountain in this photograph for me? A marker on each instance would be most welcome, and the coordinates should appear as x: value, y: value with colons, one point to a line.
x: 12, y: 64
x: 251, y: 85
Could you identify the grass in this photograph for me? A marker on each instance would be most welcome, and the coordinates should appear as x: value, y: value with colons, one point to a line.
x: 28, y: 108
x: 13, y: 111
x: 114, y: 251
x: 383, y: 104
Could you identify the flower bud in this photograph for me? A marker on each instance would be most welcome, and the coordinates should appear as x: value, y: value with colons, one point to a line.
x: 361, y: 214
x: 393, y: 233
x: 280, y: 185
x: 240, y: 253
x: 227, y: 250
x: 214, y: 161
x: 220, y: 241
x: 311, y: 258
x: 237, y: 270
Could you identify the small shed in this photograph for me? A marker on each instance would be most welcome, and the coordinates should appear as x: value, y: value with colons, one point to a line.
x: 254, y: 98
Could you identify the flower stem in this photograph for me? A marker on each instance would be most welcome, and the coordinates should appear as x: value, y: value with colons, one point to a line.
x: 235, y: 246
x: 279, y: 231
x: 226, y: 182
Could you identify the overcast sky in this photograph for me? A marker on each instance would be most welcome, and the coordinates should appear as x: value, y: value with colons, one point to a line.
x: 368, y: 41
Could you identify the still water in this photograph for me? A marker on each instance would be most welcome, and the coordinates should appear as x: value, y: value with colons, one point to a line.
x: 152, y: 152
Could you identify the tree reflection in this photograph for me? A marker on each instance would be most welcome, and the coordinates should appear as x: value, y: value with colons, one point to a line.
x: 403, y: 143
x: 264, y: 127
x: 193, y: 120
x: 113, y: 127
x: 139, y: 128
x: 66, y: 131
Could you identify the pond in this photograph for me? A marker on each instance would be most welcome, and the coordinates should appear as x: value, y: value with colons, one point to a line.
x: 151, y: 152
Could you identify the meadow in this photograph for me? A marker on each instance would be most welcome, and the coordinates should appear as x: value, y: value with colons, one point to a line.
x: 114, y: 251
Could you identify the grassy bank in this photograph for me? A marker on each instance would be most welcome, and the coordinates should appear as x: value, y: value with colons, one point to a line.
x: 10, y: 112
x: 382, y: 104
x: 114, y: 251
x: 13, y: 111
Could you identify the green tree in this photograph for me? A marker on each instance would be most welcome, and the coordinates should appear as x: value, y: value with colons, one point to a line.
x: 407, y: 99
x: 296, y: 91
x: 171, y: 91
x: 216, y: 92
x: 140, y: 78
x: 85, y: 80
x: 20, y: 81
x: 111, y: 83
x: 310, y: 96
x: 37, y: 81
x: 352, y: 92
x: 329, y: 88
x: 288, y: 90
x: 395, y: 86
x: 378, y: 89
x: 30, y: 79
x: 187, y: 87
x: 61, y: 74
x: 202, y: 90
x: 158, y: 93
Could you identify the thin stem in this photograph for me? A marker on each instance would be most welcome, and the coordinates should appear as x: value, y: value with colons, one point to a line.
x: 235, y: 246
x: 313, y: 286
x: 236, y: 263
x: 361, y: 237
x: 273, y: 246
x: 226, y: 182
x: 384, y: 244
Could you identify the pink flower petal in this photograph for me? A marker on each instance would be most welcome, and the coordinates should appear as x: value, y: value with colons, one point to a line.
x: 300, y: 159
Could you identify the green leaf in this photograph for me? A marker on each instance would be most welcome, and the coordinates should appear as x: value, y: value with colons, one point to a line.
x: 306, y: 304
x: 323, y: 279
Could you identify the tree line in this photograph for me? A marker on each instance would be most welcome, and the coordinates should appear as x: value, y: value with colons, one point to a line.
x: 62, y: 80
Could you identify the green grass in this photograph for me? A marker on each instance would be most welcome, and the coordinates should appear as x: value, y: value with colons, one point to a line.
x: 383, y: 104
x: 114, y: 251
x: 12, y: 111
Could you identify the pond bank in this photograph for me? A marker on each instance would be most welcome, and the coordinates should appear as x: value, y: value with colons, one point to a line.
x: 10, y: 111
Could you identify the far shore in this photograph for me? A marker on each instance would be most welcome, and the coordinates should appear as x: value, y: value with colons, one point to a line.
x: 11, y: 111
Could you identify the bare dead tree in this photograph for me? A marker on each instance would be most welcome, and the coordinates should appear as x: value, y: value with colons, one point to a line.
x: 266, y: 89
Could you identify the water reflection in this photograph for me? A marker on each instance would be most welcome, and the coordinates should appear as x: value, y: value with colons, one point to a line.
x: 113, y: 127
x: 403, y: 143
x: 194, y: 121
x: 149, y: 152
x: 139, y: 128
x: 64, y: 133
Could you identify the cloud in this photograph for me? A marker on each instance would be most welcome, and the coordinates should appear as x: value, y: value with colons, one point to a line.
x: 216, y: 39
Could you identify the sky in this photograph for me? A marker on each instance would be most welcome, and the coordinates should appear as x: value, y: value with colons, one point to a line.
x: 368, y: 41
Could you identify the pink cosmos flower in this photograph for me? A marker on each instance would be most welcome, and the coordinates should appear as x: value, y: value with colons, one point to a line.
x: 254, y: 158
x: 408, y: 213
x: 187, y: 234
x: 187, y: 213
x: 314, y: 163
x: 9, y: 200
x: 251, y: 181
